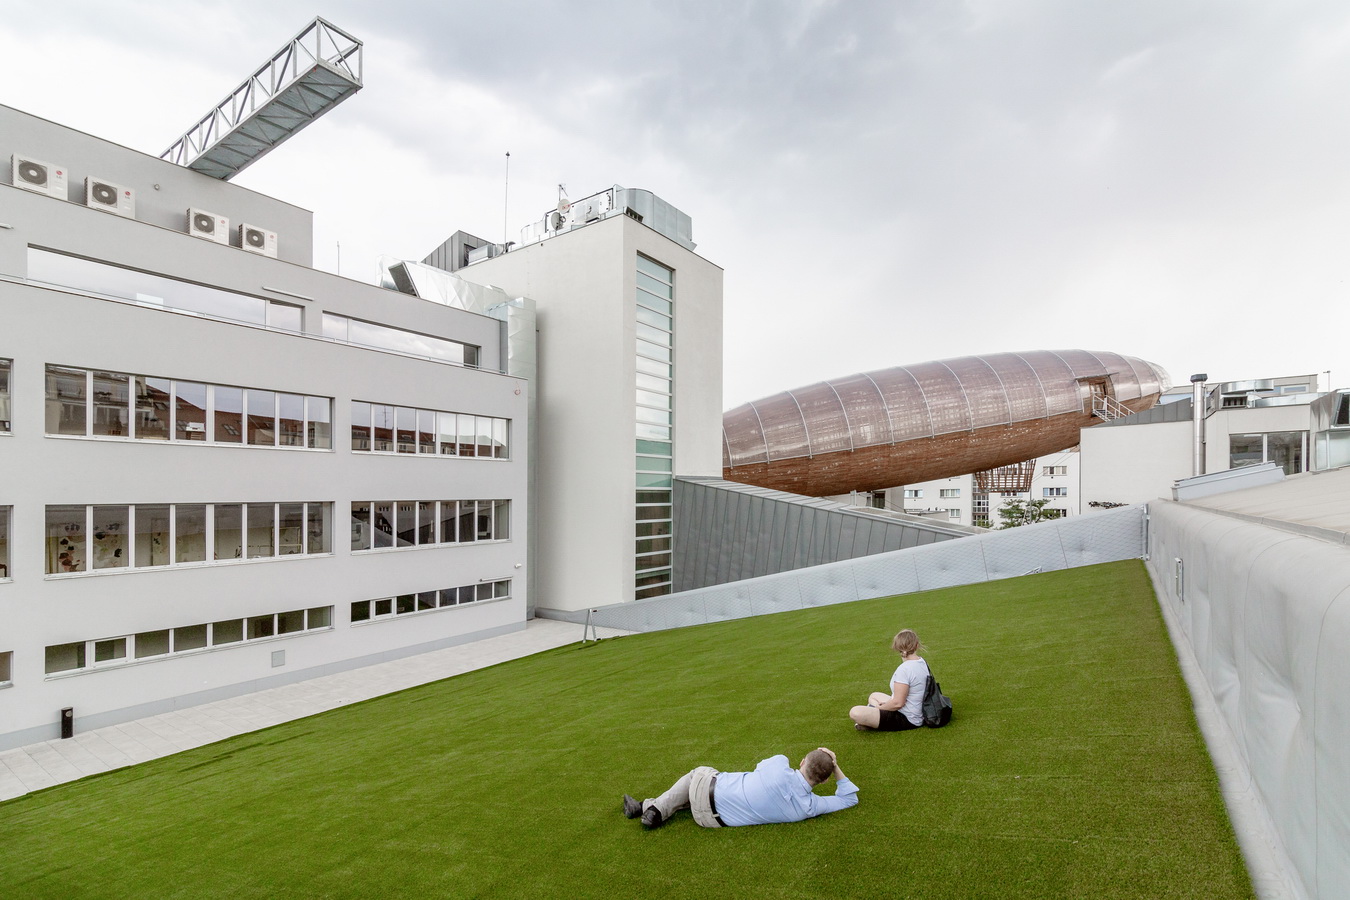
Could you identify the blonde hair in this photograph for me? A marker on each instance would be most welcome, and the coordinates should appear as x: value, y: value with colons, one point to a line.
x: 906, y: 642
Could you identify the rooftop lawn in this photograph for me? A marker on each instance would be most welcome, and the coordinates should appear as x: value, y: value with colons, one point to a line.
x: 1073, y: 768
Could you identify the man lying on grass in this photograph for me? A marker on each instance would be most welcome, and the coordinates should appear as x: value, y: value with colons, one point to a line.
x: 774, y: 792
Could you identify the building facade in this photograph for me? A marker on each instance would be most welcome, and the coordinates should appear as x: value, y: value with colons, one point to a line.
x: 223, y: 469
x: 1138, y: 458
x: 629, y: 388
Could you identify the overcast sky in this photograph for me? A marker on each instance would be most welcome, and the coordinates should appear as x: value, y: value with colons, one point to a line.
x: 883, y: 182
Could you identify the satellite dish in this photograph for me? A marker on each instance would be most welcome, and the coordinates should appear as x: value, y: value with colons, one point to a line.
x: 555, y: 219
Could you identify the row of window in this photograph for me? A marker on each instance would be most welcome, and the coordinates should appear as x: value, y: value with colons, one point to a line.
x: 1287, y: 448
x: 380, y: 524
x: 654, y: 311
x: 425, y: 601
x: 385, y: 428
x: 142, y: 536
x: 128, y: 648
x: 94, y: 403
x: 4, y: 542
x: 1055, y: 492
x: 145, y: 289
x: 397, y: 340
x: 1054, y: 470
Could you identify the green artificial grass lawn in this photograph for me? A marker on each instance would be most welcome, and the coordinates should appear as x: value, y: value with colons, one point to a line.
x: 1073, y: 768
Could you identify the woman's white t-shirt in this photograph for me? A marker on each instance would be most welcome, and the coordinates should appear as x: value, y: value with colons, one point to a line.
x: 913, y: 672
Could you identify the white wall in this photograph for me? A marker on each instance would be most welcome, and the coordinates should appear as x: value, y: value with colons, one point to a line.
x: 583, y: 283
x: 1133, y: 463
x: 1267, y: 614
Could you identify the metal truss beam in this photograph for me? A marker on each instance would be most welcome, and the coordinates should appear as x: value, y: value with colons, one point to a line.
x: 315, y: 71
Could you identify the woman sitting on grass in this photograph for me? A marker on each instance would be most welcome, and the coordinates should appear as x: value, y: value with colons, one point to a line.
x: 902, y: 708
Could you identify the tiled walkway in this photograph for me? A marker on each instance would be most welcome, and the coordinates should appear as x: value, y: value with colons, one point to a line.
x: 53, y: 762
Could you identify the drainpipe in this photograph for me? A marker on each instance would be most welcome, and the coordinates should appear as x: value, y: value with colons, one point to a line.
x: 1198, y: 423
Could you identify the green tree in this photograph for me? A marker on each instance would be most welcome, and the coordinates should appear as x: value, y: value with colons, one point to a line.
x: 1015, y: 511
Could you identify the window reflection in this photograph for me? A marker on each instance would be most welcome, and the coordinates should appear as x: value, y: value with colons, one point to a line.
x: 189, y: 411
x: 144, y: 288
x: 384, y: 337
x: 152, y: 408
x: 4, y: 394
x: 111, y: 403
x: 66, y: 392
x: 229, y: 414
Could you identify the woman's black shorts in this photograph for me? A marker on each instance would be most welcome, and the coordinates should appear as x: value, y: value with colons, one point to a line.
x: 894, y: 720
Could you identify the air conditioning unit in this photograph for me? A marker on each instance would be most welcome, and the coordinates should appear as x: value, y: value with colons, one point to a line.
x: 258, y: 240
x: 109, y: 197
x: 208, y: 225
x: 36, y: 175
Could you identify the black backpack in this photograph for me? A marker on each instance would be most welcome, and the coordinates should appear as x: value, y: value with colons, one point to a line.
x: 937, y: 706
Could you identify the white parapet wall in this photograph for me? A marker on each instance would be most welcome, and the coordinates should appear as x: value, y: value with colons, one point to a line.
x: 1266, y: 612
x: 1058, y: 544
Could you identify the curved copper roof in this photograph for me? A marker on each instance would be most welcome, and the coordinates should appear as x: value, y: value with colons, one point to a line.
x: 945, y: 396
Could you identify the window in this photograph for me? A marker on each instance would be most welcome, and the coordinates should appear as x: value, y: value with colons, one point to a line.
x: 145, y: 289
x: 1055, y: 492
x: 913, y: 493
x: 1054, y: 470
x: 427, y: 601
x: 1289, y: 449
x: 949, y: 493
x: 378, y: 524
x: 145, y: 408
x: 654, y: 414
x: 1051, y: 512
x: 5, y: 366
x: 953, y: 513
x: 396, y: 340
x: 7, y: 667
x: 384, y: 428
x: 4, y: 542
x: 169, y: 642
x: 159, y: 535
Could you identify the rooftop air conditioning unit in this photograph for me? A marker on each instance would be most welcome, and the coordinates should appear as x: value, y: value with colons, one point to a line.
x: 35, y: 175
x: 208, y: 225
x: 109, y: 197
x: 258, y: 240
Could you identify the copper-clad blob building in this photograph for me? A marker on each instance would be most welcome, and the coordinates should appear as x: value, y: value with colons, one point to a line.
x: 931, y: 420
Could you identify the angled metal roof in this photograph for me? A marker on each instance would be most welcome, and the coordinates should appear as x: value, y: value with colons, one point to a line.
x: 315, y: 71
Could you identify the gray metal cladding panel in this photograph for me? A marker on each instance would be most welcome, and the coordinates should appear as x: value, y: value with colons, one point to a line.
x: 848, y: 534
x: 1103, y: 537
x: 866, y: 409
x: 910, y: 538
x: 906, y: 402
x: 1026, y: 397
x: 725, y: 603
x: 827, y: 585
x: 827, y: 427
x: 884, y: 576
x: 949, y: 563
x: 1062, y: 394
x: 773, y: 595
x: 781, y: 545
x: 983, y: 390
x: 894, y: 539
x: 761, y: 530
x: 1019, y: 551
x: 876, y: 539
x: 784, y: 428
x: 834, y: 527
x: 947, y: 405
x: 743, y: 437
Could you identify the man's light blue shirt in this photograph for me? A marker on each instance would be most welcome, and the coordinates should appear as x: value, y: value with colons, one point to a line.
x: 775, y: 792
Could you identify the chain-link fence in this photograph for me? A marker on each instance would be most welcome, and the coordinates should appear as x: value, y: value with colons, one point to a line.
x: 1046, y: 546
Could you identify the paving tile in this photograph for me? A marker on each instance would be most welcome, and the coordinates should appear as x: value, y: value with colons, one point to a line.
x: 97, y: 744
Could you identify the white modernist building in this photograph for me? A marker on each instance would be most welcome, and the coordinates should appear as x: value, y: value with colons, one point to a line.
x: 221, y: 469
x: 629, y: 389
x: 1138, y: 458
